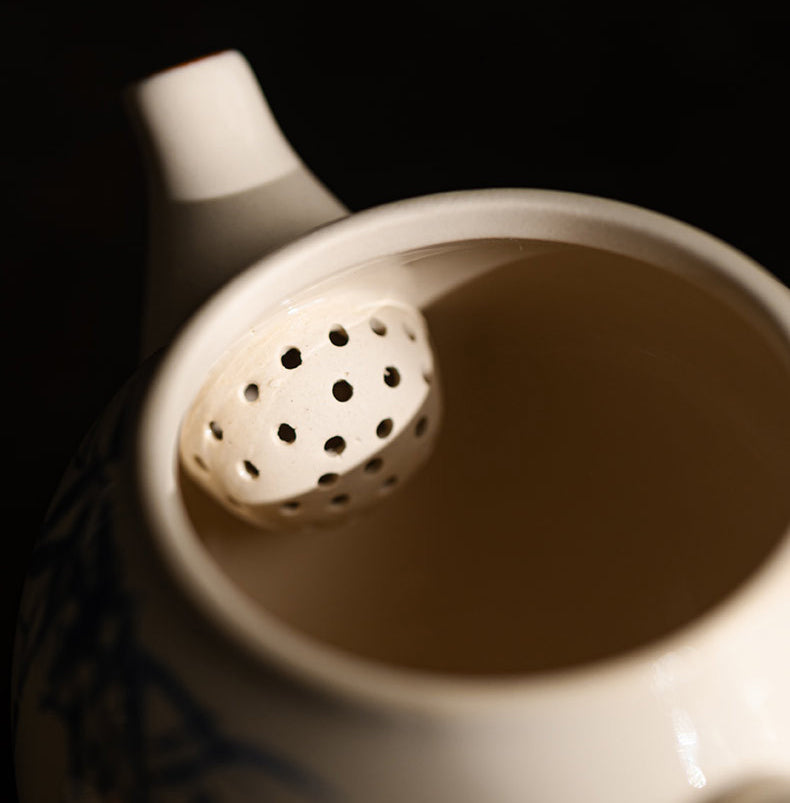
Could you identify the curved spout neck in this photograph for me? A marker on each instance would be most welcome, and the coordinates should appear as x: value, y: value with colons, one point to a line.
x: 225, y: 185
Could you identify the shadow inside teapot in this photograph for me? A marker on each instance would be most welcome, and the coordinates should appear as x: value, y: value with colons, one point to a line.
x: 612, y: 464
x: 767, y: 790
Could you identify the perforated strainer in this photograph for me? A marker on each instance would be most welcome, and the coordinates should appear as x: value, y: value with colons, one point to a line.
x: 322, y: 411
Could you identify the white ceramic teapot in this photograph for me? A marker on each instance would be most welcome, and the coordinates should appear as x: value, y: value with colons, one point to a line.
x: 623, y: 370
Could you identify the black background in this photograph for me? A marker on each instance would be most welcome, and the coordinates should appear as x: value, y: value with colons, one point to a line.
x: 683, y: 115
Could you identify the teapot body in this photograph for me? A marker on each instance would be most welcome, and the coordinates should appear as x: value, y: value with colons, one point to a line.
x: 142, y: 673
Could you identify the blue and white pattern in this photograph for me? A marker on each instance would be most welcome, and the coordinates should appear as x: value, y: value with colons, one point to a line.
x: 134, y: 732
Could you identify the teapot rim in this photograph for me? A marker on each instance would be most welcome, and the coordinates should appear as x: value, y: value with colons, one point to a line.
x: 376, y: 233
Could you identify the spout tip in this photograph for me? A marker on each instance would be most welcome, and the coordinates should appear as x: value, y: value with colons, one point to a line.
x: 185, y: 63
x: 208, y: 127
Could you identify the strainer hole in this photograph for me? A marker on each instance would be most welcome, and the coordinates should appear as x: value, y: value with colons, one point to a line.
x: 374, y: 465
x: 292, y: 358
x: 340, y: 501
x: 251, y: 469
x: 335, y: 445
x: 389, y: 484
x: 289, y: 508
x: 286, y: 433
x: 326, y: 480
x: 391, y: 376
x: 384, y: 428
x: 216, y: 430
x: 428, y: 377
x: 422, y: 426
x: 338, y: 336
x: 201, y: 462
x: 251, y: 392
x: 342, y: 390
x: 409, y: 332
x: 378, y: 326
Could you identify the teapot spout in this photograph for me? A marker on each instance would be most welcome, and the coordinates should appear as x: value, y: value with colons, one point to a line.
x: 225, y: 185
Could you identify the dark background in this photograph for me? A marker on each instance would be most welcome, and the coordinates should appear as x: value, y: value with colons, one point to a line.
x: 686, y: 116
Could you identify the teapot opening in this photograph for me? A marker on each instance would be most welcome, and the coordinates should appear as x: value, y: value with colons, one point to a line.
x: 611, y: 466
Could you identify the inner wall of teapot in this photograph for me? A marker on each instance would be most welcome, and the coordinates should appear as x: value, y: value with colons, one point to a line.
x: 612, y: 464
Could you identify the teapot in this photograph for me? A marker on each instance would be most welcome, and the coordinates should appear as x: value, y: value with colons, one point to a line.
x: 167, y: 652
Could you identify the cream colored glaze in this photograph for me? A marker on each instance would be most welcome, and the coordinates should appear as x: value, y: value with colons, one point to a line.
x: 613, y: 461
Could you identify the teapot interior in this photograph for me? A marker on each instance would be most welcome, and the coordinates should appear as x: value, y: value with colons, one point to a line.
x: 612, y: 464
